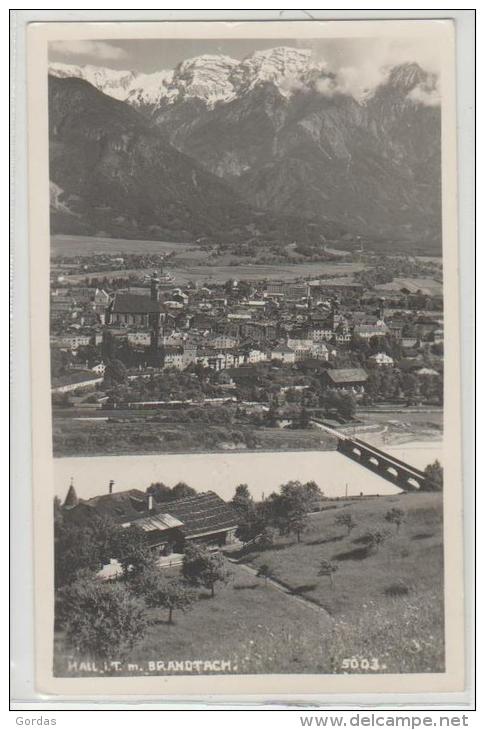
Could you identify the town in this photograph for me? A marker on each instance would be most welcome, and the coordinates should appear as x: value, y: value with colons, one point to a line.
x: 145, y: 360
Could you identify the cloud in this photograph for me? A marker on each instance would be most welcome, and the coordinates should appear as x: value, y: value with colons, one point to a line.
x: 360, y: 80
x: 97, y: 49
x: 360, y: 65
x: 327, y: 86
x: 425, y: 94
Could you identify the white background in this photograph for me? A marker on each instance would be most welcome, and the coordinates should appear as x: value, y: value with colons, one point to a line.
x: 22, y: 712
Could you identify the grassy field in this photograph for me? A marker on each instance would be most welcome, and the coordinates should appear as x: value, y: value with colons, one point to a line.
x: 251, y: 625
x: 404, y: 632
x: 63, y: 245
x: 427, y: 285
x: 307, y: 625
x: 138, y: 435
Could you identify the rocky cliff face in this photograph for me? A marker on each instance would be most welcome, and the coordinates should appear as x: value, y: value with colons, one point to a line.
x: 288, y: 136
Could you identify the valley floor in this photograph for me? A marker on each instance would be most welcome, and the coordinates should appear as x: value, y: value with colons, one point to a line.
x: 99, y: 433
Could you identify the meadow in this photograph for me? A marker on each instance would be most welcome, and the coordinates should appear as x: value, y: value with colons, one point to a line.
x: 383, y: 612
x: 386, y: 604
x: 142, y: 435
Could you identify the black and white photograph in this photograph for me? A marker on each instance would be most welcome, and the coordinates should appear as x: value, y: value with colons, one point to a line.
x: 247, y: 353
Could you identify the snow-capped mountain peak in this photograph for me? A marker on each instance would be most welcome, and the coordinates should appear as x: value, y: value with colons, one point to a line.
x: 110, y: 81
x: 206, y: 77
x: 219, y: 79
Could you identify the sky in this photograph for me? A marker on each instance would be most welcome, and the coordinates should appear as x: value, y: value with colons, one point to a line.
x: 357, y: 56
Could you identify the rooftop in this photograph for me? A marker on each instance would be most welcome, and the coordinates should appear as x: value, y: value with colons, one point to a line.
x: 347, y: 375
x: 204, y: 513
x: 134, y: 304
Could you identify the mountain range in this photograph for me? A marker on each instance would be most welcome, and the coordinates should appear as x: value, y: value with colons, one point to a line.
x: 277, y: 141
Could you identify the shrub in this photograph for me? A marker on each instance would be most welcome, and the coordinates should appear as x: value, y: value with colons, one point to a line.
x: 265, y: 572
x: 397, y: 589
x: 376, y: 538
x: 396, y: 516
x: 328, y: 568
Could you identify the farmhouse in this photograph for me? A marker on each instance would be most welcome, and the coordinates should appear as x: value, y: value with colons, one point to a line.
x: 203, y: 518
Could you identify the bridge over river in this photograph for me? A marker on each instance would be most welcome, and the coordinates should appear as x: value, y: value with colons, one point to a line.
x: 398, y: 472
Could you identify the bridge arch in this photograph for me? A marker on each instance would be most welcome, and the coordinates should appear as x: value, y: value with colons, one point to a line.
x: 392, y: 471
x: 356, y: 451
x: 374, y: 461
x: 413, y: 483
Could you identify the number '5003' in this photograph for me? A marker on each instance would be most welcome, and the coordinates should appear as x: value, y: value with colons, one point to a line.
x: 361, y: 663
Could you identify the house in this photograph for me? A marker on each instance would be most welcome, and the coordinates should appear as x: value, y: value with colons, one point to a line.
x: 70, y: 342
x: 348, y: 378
x: 381, y: 360
x: 366, y: 331
x: 222, y: 342
x: 99, y: 368
x: 283, y: 354
x: 254, y: 356
x: 301, y: 346
x: 168, y: 526
x: 174, y: 357
x: 139, y: 337
x: 427, y: 371
x: 319, y: 351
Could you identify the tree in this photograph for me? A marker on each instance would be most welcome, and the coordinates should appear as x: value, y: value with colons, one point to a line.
x: 200, y: 567
x: 346, y: 520
x: 327, y: 568
x: 396, y: 516
x: 242, y: 500
x: 115, y: 373
x: 297, y: 524
x: 160, y: 492
x: 129, y: 547
x: 289, y: 508
x: 304, y: 420
x: 80, y: 547
x: 249, y: 516
x: 347, y: 405
x: 182, y: 491
x: 433, y: 477
x: 102, y: 620
x: 173, y: 594
x: 265, y: 572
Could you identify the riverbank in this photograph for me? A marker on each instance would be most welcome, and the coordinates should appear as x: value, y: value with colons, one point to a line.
x: 95, y: 434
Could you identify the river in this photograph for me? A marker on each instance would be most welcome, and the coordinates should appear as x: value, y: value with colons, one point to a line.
x: 263, y: 472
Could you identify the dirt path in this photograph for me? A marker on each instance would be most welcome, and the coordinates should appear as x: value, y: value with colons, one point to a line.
x: 282, y: 589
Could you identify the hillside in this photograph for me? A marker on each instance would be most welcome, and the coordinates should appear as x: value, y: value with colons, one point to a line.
x: 113, y: 172
x: 291, y: 137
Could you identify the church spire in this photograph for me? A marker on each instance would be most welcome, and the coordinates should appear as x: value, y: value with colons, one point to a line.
x: 71, y: 497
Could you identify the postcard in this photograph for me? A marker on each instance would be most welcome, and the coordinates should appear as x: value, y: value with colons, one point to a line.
x: 244, y: 312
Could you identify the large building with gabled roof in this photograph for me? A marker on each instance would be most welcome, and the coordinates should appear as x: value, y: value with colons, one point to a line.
x: 204, y: 517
